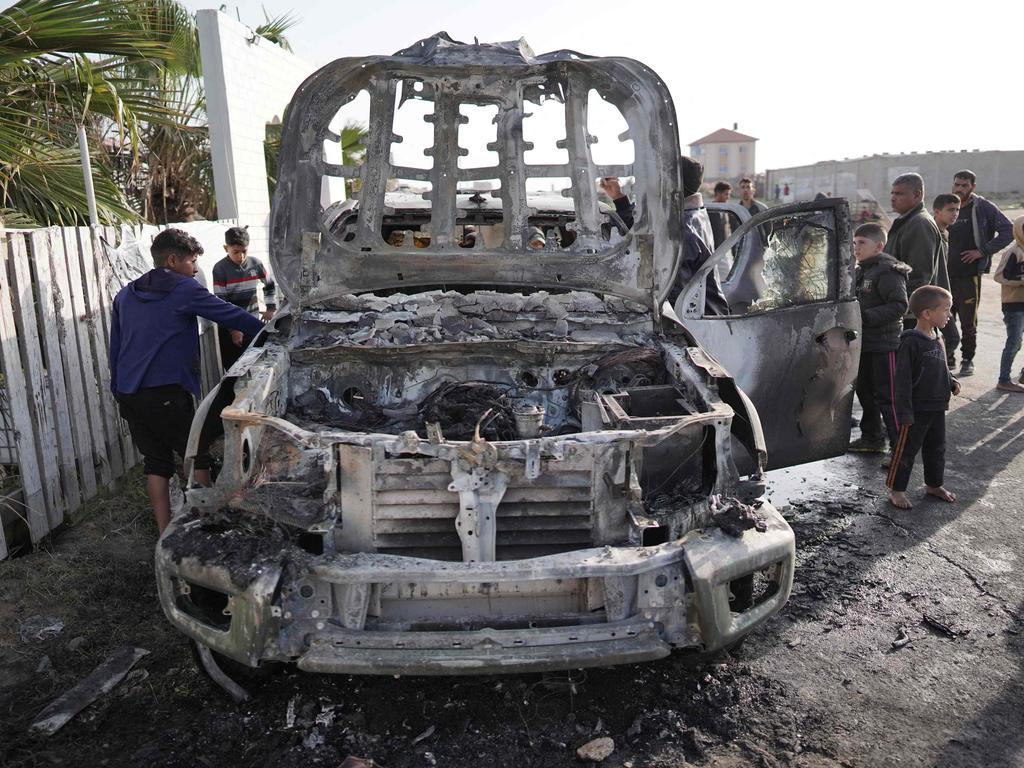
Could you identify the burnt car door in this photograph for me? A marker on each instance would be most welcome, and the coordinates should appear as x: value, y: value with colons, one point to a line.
x: 791, y: 339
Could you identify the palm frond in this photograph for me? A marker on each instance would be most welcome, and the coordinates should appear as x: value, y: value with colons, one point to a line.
x: 273, y: 28
x: 157, y: 30
x: 49, y: 189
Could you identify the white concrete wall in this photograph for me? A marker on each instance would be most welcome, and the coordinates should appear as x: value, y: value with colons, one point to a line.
x: 249, y: 82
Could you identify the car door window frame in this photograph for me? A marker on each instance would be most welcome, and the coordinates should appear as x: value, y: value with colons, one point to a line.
x: 691, y: 302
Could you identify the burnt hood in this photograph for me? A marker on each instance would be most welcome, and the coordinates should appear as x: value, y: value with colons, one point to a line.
x: 314, y: 262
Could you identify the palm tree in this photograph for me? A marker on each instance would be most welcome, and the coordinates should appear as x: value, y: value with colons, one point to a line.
x: 65, y: 63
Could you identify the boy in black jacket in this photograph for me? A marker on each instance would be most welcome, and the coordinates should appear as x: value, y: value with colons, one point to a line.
x: 882, y: 293
x: 923, y: 388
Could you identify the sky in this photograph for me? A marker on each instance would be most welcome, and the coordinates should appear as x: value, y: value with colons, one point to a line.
x: 812, y: 81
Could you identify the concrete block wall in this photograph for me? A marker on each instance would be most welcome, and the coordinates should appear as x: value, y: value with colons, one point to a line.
x: 1000, y: 175
x: 249, y: 82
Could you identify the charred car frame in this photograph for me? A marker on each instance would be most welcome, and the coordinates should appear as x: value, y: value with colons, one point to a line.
x: 479, y: 439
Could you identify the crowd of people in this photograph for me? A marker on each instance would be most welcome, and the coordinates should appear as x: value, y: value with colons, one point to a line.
x: 919, y: 288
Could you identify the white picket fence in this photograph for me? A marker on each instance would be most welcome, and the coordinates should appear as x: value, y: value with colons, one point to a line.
x: 61, y: 438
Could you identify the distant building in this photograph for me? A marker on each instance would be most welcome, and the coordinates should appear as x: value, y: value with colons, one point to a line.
x: 1000, y: 175
x: 727, y: 155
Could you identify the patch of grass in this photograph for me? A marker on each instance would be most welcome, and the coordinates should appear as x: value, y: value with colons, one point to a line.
x: 105, y: 550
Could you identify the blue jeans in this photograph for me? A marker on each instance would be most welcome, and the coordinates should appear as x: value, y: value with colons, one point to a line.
x: 1014, y: 321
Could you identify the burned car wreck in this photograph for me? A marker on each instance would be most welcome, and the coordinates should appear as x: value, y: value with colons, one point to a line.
x: 479, y: 439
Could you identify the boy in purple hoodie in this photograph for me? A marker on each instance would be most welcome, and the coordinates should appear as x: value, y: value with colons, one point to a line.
x: 154, y: 359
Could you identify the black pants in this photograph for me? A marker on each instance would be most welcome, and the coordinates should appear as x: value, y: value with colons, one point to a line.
x: 951, y: 339
x: 966, y: 297
x: 874, y: 387
x: 159, y: 419
x: 928, y: 435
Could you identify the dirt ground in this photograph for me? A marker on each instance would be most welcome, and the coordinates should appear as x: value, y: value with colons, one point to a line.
x: 902, y: 646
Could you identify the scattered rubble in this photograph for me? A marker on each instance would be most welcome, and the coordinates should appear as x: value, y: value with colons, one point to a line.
x: 597, y: 750
x: 35, y: 629
x: 734, y: 517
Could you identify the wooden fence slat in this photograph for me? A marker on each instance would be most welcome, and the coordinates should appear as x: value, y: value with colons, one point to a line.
x: 88, y: 241
x: 67, y: 333
x: 39, y: 245
x: 36, y: 374
x: 18, y: 399
x: 131, y: 454
x: 112, y: 236
x: 95, y: 396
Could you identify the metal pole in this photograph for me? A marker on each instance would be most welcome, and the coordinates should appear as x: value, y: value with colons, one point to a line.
x: 90, y: 193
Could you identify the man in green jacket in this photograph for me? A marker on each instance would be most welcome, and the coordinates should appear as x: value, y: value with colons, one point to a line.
x: 914, y: 239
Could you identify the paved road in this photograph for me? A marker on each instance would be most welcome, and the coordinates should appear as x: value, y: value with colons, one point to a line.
x: 948, y: 576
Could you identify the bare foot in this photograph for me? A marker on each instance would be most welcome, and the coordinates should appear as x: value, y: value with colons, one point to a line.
x: 899, y: 500
x: 940, y: 493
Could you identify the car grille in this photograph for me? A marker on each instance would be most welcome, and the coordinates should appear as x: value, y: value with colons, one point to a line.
x: 414, y: 512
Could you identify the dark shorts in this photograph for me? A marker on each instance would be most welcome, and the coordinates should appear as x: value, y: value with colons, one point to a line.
x: 159, y: 419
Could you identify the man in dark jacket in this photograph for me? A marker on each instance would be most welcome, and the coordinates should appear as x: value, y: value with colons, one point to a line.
x: 914, y: 239
x: 154, y: 355
x: 882, y: 293
x: 698, y: 239
x: 979, y: 232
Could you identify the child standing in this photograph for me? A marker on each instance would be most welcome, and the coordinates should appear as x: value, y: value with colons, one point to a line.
x: 154, y: 350
x: 235, y: 279
x: 1010, y: 274
x: 923, y: 388
x: 882, y: 292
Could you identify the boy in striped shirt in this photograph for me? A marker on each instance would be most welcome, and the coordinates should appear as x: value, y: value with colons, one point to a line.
x: 235, y: 280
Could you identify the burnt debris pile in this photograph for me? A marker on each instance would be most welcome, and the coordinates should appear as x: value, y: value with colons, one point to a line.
x: 448, y: 316
x: 458, y: 407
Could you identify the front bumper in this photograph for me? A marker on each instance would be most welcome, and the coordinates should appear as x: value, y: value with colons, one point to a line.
x: 387, y: 614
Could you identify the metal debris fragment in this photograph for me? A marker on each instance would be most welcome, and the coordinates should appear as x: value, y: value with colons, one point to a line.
x: 39, y: 628
x: 901, y: 640
x: 100, y: 681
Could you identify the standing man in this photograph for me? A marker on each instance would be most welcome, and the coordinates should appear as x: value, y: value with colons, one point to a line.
x: 154, y: 359
x: 697, y: 235
x: 914, y: 239
x: 979, y: 232
x: 747, y: 200
x: 720, y: 219
x: 235, y: 279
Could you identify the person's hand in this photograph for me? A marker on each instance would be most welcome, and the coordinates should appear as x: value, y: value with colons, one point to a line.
x: 610, y: 186
x: 969, y: 257
x: 956, y: 387
x: 237, y: 338
x: 267, y: 315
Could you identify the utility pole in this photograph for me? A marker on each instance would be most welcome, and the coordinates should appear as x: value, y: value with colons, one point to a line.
x: 90, y: 192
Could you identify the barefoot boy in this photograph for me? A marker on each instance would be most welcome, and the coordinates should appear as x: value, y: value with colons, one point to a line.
x: 923, y: 388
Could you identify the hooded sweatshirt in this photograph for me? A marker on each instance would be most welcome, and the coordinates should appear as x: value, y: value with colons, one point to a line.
x: 154, y: 338
x: 882, y: 293
x: 923, y: 381
x: 1010, y: 266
